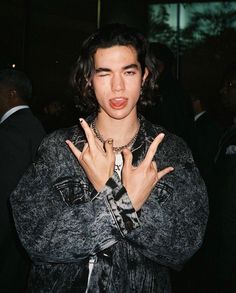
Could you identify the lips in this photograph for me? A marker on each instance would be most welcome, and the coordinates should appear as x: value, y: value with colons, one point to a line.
x: 118, y: 103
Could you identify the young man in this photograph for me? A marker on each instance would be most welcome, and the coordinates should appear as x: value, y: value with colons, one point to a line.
x: 112, y: 204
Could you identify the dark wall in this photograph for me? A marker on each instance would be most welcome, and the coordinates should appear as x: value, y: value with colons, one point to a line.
x: 43, y: 38
x: 132, y: 12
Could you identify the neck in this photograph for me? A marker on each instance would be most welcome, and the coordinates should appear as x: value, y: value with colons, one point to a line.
x: 120, y: 130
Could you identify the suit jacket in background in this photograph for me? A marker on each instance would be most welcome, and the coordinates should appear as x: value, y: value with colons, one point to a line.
x: 225, y: 212
x: 207, y: 136
x: 20, y: 136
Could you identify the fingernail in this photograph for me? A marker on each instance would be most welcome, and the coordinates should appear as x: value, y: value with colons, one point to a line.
x: 80, y: 120
x: 110, y: 140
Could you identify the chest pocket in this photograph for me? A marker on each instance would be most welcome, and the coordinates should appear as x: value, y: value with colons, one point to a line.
x: 72, y: 191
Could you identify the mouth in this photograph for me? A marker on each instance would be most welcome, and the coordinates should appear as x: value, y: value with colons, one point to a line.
x: 118, y: 103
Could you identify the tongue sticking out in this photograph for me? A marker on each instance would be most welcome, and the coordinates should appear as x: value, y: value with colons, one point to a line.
x: 118, y: 103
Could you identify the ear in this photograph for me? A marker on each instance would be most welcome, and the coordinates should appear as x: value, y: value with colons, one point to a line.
x: 145, y: 75
x: 12, y: 98
x: 12, y: 94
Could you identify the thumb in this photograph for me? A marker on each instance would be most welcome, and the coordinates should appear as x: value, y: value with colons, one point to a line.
x: 128, y: 158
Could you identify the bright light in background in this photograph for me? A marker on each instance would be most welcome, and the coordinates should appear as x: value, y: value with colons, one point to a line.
x: 13, y: 65
x: 186, y: 11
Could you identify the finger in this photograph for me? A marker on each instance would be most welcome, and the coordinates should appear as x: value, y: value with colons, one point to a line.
x: 84, y: 148
x: 154, y: 164
x: 109, y: 147
x: 128, y: 158
x: 74, y: 149
x: 89, y: 134
x: 153, y: 148
x: 164, y: 172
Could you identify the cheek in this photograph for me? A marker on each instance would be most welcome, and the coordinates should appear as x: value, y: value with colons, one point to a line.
x: 135, y: 87
x: 101, y: 90
x: 98, y: 86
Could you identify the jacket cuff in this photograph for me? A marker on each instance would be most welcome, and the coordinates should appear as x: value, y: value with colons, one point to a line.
x: 120, y: 206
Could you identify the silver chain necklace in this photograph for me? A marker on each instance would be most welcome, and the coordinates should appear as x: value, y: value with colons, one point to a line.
x: 115, y: 149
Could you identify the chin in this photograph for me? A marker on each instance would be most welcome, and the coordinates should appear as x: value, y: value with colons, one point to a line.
x: 118, y: 117
x: 121, y: 114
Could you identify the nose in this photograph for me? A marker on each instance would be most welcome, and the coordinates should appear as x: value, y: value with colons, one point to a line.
x: 117, y: 83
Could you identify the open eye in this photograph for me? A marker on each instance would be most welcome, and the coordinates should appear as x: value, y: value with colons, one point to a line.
x: 130, y: 72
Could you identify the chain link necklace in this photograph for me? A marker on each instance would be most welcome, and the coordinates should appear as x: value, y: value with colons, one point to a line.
x: 115, y: 149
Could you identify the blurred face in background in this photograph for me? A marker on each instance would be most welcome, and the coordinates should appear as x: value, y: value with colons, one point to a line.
x: 54, y: 108
x: 228, y: 93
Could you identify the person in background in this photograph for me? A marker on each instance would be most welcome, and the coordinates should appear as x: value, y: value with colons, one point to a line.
x: 20, y: 136
x: 55, y: 113
x: 207, y: 134
x: 172, y: 109
x: 52, y: 114
x: 225, y: 207
x: 112, y: 204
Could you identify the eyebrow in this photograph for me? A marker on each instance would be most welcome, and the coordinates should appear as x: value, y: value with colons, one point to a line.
x: 102, y: 69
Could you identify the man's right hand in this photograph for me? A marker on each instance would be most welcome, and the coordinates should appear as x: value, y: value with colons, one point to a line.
x: 139, y: 181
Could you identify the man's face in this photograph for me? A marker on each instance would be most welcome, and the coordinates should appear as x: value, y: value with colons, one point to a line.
x: 4, y: 99
x: 117, y: 80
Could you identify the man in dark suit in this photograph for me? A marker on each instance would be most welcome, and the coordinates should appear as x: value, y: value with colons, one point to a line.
x: 207, y: 135
x: 225, y: 208
x: 20, y: 135
x: 172, y: 109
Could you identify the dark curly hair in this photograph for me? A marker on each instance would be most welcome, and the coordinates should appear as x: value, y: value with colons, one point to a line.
x: 106, y: 37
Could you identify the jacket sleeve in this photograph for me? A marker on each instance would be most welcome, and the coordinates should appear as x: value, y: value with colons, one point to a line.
x: 54, y: 219
x: 56, y: 223
x: 173, y: 220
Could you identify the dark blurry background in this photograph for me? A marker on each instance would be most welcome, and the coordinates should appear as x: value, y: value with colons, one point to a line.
x: 43, y: 37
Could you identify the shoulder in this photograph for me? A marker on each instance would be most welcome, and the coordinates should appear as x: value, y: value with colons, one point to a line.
x: 59, y: 136
x: 22, y: 121
x: 176, y: 150
x: 171, y: 142
x: 173, y: 150
x: 54, y: 143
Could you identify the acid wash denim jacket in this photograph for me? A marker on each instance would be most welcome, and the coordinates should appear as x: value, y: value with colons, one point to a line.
x: 83, y: 241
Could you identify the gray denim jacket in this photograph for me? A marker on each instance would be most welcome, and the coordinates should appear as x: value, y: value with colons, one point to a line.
x: 72, y: 233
